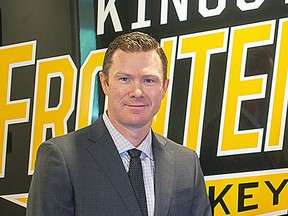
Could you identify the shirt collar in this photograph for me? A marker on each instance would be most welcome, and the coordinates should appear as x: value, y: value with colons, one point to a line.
x: 122, y: 144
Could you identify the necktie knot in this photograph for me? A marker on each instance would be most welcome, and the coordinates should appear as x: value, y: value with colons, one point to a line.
x: 134, y: 153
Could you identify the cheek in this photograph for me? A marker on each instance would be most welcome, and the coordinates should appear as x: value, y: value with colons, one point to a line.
x: 156, y: 98
x: 117, y: 93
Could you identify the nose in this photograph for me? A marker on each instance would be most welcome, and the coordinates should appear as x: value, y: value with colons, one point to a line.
x: 136, y: 91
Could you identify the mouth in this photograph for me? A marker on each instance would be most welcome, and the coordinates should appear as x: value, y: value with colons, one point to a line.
x: 136, y: 105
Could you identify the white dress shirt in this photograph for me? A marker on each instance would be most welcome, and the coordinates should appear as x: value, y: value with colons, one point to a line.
x: 123, y: 145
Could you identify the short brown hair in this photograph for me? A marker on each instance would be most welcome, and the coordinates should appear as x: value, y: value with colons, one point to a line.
x: 134, y: 42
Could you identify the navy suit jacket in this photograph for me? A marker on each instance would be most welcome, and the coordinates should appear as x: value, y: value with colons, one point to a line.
x: 81, y: 173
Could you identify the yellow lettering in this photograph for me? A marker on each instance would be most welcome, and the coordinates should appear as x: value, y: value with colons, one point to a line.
x: 239, y: 88
x: 16, y: 111
x: 279, y: 92
x: 45, y: 117
x: 160, y: 121
x: 87, y: 88
x: 242, y: 193
x: 199, y: 47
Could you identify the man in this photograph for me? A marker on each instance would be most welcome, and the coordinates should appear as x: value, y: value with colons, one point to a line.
x: 88, y: 172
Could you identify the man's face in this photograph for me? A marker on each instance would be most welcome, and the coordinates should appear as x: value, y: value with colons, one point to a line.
x: 135, y: 88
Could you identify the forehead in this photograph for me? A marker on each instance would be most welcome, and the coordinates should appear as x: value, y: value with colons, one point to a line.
x: 142, y: 60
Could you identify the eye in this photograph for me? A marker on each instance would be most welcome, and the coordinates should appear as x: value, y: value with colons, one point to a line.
x: 124, y: 79
x: 149, y: 81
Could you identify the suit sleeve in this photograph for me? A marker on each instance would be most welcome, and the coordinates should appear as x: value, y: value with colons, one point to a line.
x: 201, y: 203
x: 51, y: 192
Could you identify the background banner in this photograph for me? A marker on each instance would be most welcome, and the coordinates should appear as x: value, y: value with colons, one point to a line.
x: 227, y: 97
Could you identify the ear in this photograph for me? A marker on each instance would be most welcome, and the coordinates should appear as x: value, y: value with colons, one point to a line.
x: 165, y: 87
x: 104, y: 82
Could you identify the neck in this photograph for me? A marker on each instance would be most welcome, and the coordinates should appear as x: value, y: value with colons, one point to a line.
x: 134, y: 134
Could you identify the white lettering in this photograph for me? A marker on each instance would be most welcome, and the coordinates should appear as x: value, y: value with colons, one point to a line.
x: 103, y: 14
x: 181, y: 9
x: 205, y: 12
x: 244, y: 6
x: 141, y: 22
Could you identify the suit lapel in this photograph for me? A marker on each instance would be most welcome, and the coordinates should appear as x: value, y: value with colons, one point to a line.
x: 106, y: 155
x: 164, y: 176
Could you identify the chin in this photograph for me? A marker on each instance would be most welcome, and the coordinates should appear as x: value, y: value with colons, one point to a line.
x: 138, y: 124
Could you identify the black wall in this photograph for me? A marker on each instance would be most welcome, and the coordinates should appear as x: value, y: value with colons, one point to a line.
x: 53, y: 23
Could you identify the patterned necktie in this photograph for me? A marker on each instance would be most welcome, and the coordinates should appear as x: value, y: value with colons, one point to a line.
x: 136, y: 177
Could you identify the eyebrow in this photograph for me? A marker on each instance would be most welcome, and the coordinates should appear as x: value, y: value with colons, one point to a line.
x: 151, y: 76
x: 120, y: 73
x: 129, y: 75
